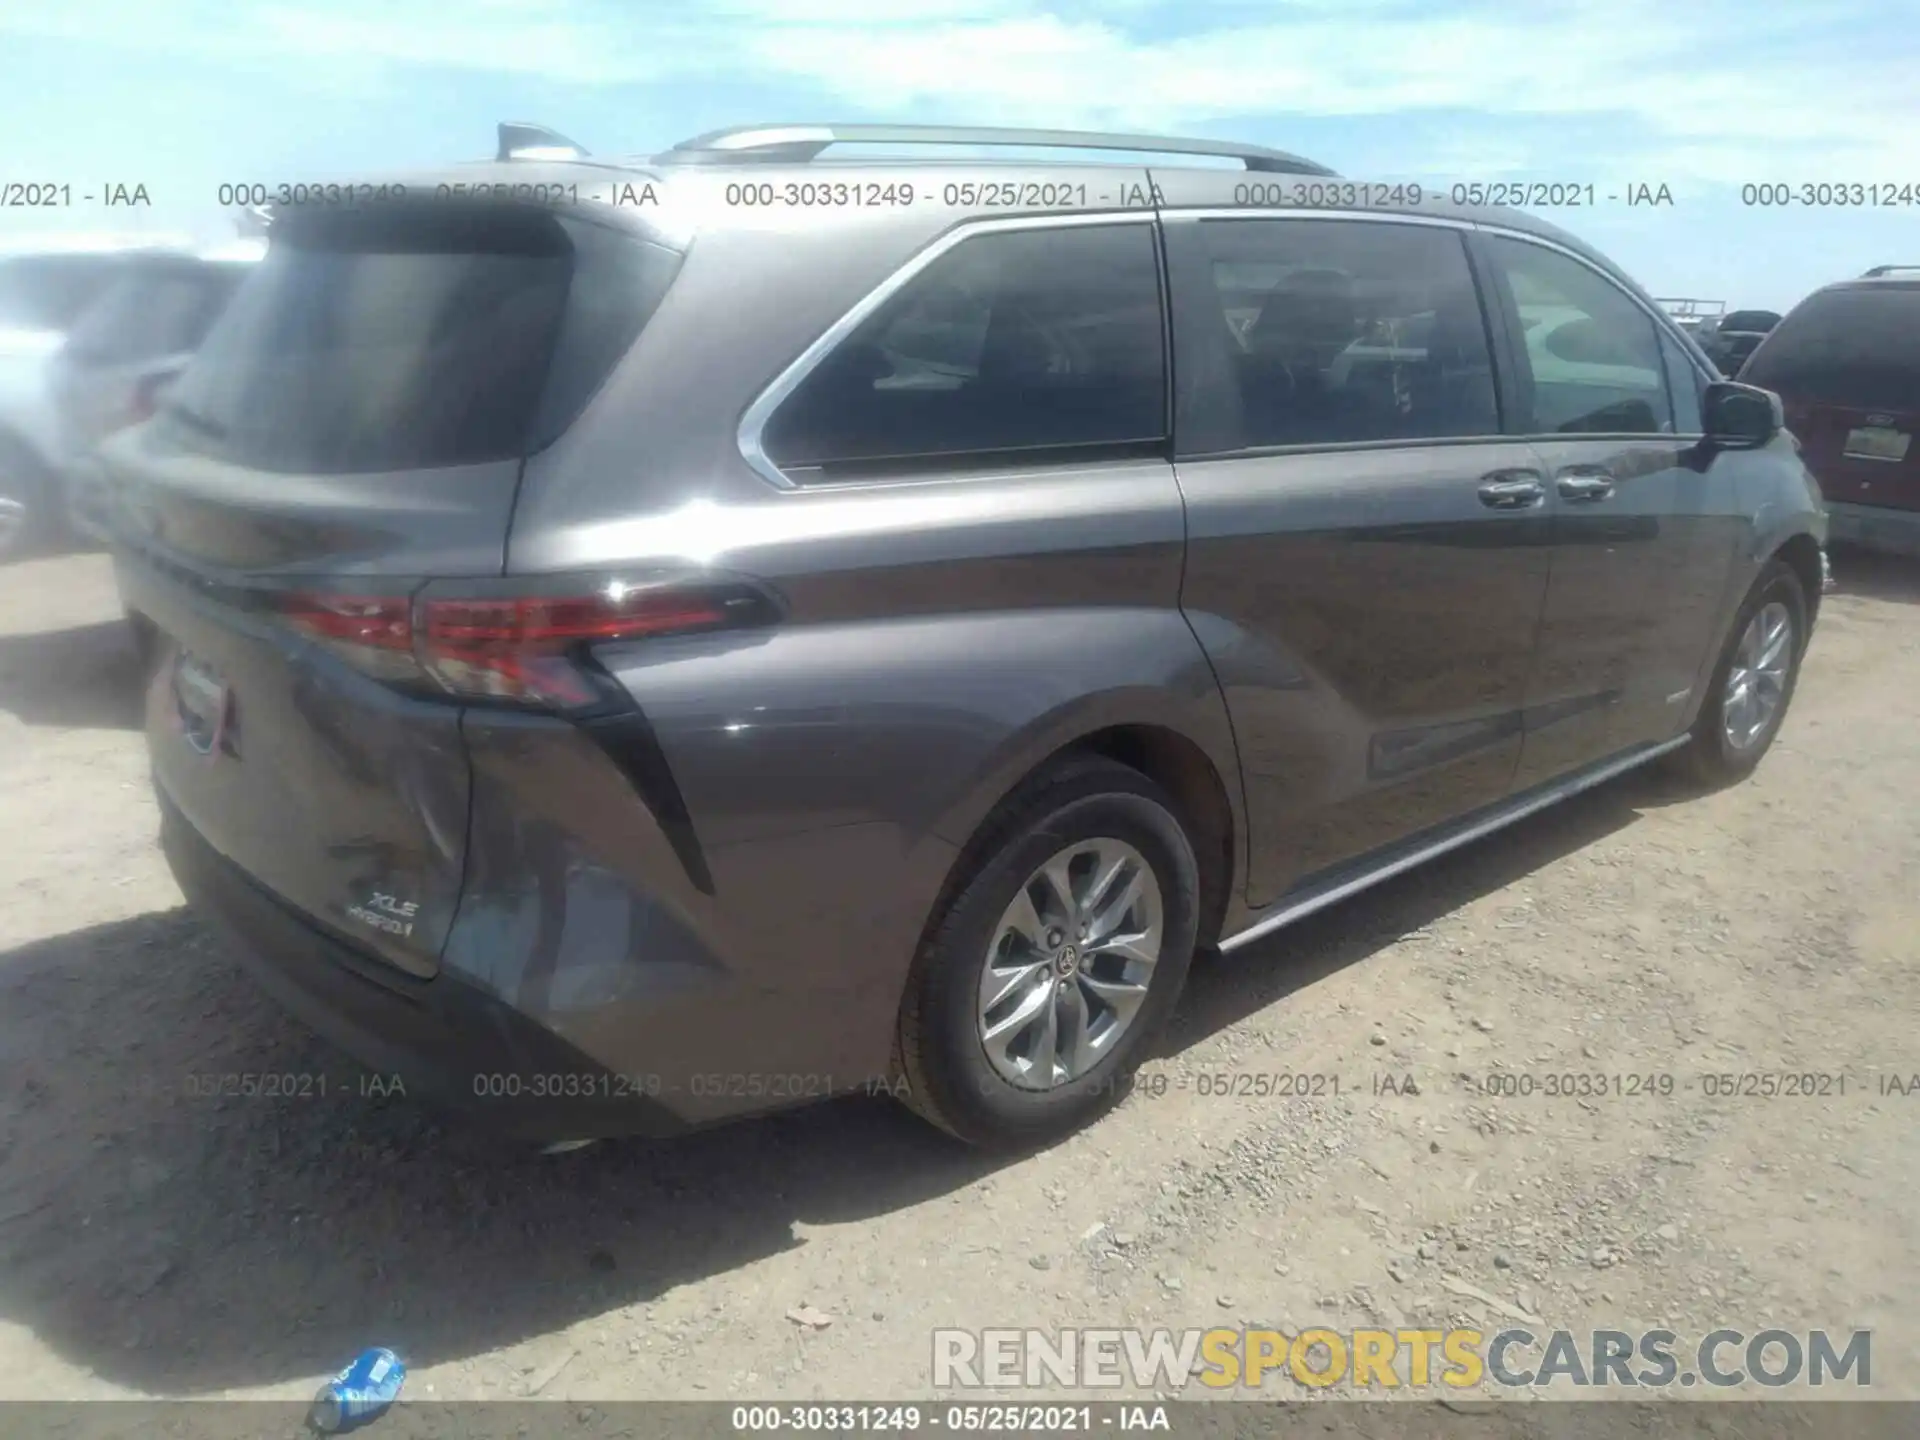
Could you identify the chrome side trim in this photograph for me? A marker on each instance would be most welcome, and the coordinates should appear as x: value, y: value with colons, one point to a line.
x: 1499, y: 820
x: 754, y: 421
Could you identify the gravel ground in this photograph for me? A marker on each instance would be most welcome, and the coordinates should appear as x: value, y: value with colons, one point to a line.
x: 152, y: 1243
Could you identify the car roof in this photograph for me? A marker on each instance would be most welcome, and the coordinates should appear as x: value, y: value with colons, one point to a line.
x: 683, y: 187
x: 692, y: 190
x: 1879, y: 282
x: 532, y: 155
x: 1869, y: 283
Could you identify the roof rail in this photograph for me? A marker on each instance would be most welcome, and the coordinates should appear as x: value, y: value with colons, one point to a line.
x: 520, y: 140
x: 776, y: 144
x: 1880, y: 270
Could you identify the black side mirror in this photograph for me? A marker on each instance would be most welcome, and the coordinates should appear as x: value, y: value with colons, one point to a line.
x: 1741, y: 417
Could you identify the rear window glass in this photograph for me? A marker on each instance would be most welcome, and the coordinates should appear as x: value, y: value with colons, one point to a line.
x: 49, y: 292
x: 152, y: 312
x: 1858, y: 347
x: 414, y: 340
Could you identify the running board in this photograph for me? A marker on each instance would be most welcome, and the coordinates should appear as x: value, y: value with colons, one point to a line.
x: 1338, y: 888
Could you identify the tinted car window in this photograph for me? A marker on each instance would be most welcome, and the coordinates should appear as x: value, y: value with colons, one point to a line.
x: 1683, y: 385
x: 49, y: 292
x: 152, y: 312
x: 1337, y: 332
x: 1591, y: 355
x: 1014, y: 344
x: 1853, y: 346
x: 392, y: 341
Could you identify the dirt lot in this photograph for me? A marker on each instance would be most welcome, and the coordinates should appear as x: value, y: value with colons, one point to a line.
x: 151, y: 1243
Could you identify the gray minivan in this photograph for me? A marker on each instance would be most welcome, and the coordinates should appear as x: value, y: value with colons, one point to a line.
x: 645, y: 642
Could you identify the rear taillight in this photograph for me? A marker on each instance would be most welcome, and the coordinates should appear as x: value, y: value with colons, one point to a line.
x: 143, y: 404
x: 525, y: 647
x: 146, y: 399
x: 374, y: 634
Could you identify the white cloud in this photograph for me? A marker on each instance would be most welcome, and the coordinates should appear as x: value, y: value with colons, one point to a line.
x: 1716, y: 90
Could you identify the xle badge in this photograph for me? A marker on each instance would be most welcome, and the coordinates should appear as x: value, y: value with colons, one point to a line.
x: 385, y: 912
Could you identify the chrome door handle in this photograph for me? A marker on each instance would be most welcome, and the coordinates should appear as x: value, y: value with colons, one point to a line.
x: 1584, y: 484
x: 1512, y: 489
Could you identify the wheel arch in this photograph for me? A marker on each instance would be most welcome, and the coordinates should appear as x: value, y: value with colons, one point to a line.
x: 1801, y: 553
x: 1202, y: 782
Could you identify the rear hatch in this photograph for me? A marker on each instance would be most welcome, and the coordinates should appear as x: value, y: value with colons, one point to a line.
x: 352, y: 433
x: 1846, y: 365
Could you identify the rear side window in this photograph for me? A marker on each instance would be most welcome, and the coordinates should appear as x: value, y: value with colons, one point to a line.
x: 150, y: 312
x: 1321, y: 332
x: 1026, y: 344
x: 399, y: 340
x: 1856, y: 347
x: 50, y: 292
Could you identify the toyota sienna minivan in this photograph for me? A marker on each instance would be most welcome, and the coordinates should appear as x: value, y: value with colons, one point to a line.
x: 644, y: 642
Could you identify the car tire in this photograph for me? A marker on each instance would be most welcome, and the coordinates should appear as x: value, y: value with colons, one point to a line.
x: 1102, y: 815
x: 1713, y: 755
x: 27, y: 497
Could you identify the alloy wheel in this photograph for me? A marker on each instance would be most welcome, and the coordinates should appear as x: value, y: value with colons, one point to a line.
x: 1757, y: 679
x: 1070, y: 963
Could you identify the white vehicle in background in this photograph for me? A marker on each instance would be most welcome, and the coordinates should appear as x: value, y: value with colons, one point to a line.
x: 1694, y: 316
x: 46, y: 284
x: 128, y: 346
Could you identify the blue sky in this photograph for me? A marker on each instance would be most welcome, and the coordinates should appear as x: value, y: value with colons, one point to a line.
x: 1701, y: 95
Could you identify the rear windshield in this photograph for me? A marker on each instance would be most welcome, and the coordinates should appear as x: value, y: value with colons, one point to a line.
x: 153, y: 311
x: 49, y: 292
x: 400, y: 340
x: 1856, y: 347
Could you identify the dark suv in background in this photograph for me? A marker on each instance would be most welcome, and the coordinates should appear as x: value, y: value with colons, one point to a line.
x: 643, y: 642
x: 1846, y: 365
x: 1731, y: 340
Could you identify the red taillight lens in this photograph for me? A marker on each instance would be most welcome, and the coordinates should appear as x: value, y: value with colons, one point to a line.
x: 517, y: 648
x: 372, y: 633
x: 143, y: 404
x: 146, y: 399
x: 525, y: 648
x: 385, y: 622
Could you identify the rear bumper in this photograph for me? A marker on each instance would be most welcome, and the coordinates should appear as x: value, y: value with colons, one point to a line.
x: 445, y: 1039
x: 1875, y: 527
